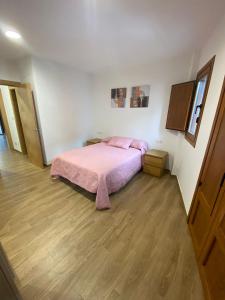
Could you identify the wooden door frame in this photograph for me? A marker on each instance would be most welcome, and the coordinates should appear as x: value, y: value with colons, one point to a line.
x: 11, y: 83
x: 28, y: 86
x: 213, y: 135
x: 206, y: 70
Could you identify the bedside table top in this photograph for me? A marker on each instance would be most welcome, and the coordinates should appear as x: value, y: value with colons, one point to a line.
x: 95, y: 140
x: 157, y: 153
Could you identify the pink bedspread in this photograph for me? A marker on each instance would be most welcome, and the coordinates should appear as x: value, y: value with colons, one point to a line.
x: 99, y: 169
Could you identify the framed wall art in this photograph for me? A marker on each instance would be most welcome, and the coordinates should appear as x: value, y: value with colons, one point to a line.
x: 139, y: 96
x: 118, y: 97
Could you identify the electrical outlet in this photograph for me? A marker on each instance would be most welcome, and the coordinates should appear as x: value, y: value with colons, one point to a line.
x: 99, y: 133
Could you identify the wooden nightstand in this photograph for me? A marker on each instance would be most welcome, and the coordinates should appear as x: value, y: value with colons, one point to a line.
x: 93, y: 141
x: 154, y: 162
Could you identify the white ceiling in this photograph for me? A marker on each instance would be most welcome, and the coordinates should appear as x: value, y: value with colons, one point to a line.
x: 95, y: 34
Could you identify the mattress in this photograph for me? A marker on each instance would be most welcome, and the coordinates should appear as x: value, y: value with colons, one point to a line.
x: 98, y: 168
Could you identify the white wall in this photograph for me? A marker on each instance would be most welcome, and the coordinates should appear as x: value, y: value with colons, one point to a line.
x: 189, y: 160
x: 25, y: 70
x: 63, y: 101
x: 145, y: 123
x: 10, y: 117
x: 8, y: 70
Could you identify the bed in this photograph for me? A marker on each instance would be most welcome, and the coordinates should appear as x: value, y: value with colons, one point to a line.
x: 99, y: 168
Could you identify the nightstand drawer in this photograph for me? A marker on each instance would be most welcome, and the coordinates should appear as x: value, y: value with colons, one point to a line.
x: 155, y: 171
x: 154, y: 161
x: 90, y: 143
x: 93, y: 141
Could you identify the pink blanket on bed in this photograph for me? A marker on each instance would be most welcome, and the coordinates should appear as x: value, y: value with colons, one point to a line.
x: 99, y: 169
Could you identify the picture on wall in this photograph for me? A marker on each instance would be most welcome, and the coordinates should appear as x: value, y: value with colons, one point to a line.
x: 139, y: 96
x: 118, y: 97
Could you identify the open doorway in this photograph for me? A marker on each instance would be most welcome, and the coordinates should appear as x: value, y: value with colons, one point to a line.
x: 3, y: 142
x: 18, y: 118
x: 2, y: 129
x: 11, y: 120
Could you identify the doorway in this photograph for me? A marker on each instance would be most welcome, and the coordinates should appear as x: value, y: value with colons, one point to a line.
x: 19, y: 121
x: 13, y: 134
x: 2, y: 129
x: 3, y: 142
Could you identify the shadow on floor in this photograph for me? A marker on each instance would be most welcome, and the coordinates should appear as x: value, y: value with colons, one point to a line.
x: 83, y: 192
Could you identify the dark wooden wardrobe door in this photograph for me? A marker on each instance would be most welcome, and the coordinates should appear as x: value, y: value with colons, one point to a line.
x: 8, y: 287
x: 6, y: 292
x: 207, y: 214
x: 212, y: 263
x: 209, y: 187
x: 179, y: 107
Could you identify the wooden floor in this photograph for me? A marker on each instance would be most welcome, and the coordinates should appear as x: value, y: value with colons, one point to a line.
x: 62, y: 248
